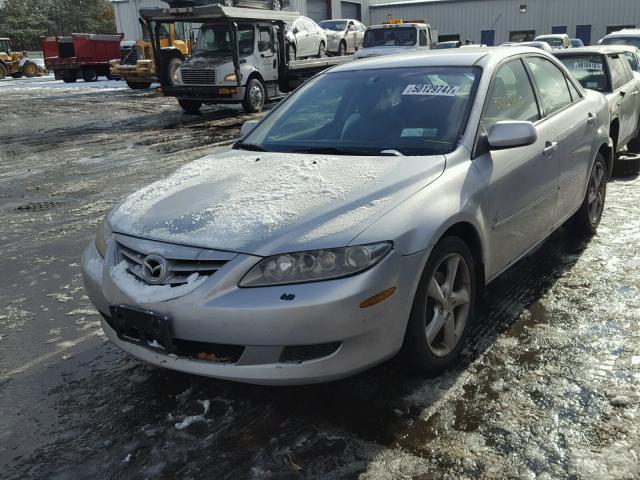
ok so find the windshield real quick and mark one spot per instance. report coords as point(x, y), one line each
point(408, 111)
point(633, 41)
point(5, 46)
point(216, 40)
point(589, 70)
point(395, 37)
point(335, 25)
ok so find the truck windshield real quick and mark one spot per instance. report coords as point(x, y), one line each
point(335, 25)
point(216, 40)
point(589, 70)
point(5, 46)
point(394, 37)
point(633, 41)
point(390, 111)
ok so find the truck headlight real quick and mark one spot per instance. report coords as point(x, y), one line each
point(232, 77)
point(314, 265)
point(102, 236)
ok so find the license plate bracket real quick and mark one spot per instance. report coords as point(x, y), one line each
point(142, 327)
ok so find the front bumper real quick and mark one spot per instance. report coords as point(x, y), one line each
point(205, 93)
point(265, 322)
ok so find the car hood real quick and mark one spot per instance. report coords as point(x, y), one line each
point(268, 203)
point(383, 50)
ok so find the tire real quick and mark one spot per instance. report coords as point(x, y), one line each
point(291, 52)
point(69, 79)
point(437, 329)
point(138, 85)
point(89, 75)
point(253, 96)
point(171, 68)
point(342, 49)
point(634, 145)
point(171, 60)
point(17, 75)
point(191, 107)
point(585, 221)
point(626, 165)
point(3, 72)
point(30, 69)
point(322, 50)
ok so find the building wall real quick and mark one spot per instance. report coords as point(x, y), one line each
point(126, 13)
point(469, 18)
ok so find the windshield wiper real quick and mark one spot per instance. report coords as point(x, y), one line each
point(336, 150)
point(239, 145)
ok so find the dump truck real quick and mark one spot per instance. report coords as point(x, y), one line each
point(82, 55)
point(239, 56)
point(137, 65)
point(16, 64)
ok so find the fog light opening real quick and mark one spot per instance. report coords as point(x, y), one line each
point(377, 298)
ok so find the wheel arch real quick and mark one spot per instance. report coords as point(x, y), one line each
point(614, 126)
point(470, 235)
point(608, 153)
point(252, 75)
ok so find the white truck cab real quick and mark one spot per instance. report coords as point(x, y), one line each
point(396, 36)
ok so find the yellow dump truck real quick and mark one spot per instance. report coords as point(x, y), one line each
point(137, 65)
point(15, 64)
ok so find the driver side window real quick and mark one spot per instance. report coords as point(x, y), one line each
point(510, 97)
point(264, 40)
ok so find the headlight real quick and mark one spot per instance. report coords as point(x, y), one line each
point(231, 78)
point(102, 235)
point(176, 76)
point(314, 265)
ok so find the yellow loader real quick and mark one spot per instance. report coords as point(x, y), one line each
point(137, 64)
point(15, 64)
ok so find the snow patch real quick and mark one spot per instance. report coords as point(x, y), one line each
point(190, 420)
point(144, 293)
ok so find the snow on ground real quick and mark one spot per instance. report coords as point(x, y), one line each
point(48, 82)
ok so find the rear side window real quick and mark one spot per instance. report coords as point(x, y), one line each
point(510, 97)
point(551, 83)
point(264, 39)
point(618, 73)
point(589, 70)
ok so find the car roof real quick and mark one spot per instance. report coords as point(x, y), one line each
point(625, 32)
point(600, 49)
point(552, 35)
point(454, 57)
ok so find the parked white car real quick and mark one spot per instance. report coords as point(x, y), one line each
point(344, 36)
point(387, 39)
point(627, 36)
point(305, 39)
point(557, 41)
point(535, 44)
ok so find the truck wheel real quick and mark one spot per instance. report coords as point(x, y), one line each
point(138, 85)
point(291, 52)
point(89, 75)
point(3, 72)
point(69, 79)
point(342, 49)
point(190, 106)
point(322, 50)
point(253, 96)
point(30, 69)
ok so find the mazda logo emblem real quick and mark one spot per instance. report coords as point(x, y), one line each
point(154, 269)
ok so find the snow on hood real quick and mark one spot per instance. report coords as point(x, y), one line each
point(265, 203)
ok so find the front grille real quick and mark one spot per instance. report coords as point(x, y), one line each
point(178, 270)
point(304, 353)
point(128, 55)
point(198, 77)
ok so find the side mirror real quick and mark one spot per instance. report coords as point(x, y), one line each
point(247, 127)
point(511, 134)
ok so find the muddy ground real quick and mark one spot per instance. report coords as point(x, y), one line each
point(548, 386)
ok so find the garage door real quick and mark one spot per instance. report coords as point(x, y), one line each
point(350, 10)
point(318, 10)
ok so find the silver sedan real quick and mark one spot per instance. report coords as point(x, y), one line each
point(363, 215)
point(344, 36)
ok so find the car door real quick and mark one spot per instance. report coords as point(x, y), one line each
point(632, 96)
point(572, 120)
point(522, 183)
point(625, 99)
point(267, 55)
point(302, 38)
point(359, 34)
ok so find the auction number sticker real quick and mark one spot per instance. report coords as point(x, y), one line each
point(587, 66)
point(439, 90)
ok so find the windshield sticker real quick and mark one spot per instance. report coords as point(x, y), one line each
point(419, 132)
point(436, 90)
point(587, 66)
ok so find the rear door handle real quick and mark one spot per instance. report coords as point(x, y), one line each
point(591, 119)
point(550, 148)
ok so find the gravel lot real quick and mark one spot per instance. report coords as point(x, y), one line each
point(548, 386)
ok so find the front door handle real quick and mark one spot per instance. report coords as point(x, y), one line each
point(550, 148)
point(591, 119)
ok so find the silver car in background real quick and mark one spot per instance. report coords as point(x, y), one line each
point(539, 44)
point(305, 39)
point(314, 250)
point(344, 36)
point(557, 41)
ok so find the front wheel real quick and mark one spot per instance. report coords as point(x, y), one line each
point(443, 308)
point(69, 79)
point(138, 85)
point(291, 52)
point(586, 220)
point(30, 69)
point(89, 75)
point(253, 96)
point(342, 49)
point(322, 50)
point(190, 106)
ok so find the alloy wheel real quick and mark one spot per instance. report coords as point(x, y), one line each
point(448, 302)
point(256, 95)
point(597, 185)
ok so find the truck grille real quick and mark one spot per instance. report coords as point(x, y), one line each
point(198, 77)
point(128, 55)
point(178, 270)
